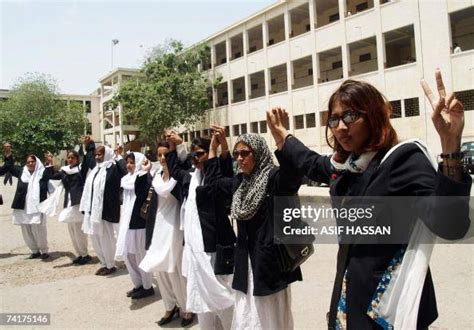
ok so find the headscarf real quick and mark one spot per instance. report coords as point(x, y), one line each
point(33, 181)
point(128, 181)
point(252, 190)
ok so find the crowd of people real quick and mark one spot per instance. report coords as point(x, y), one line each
point(206, 231)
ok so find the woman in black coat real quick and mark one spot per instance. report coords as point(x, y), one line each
point(100, 204)
point(32, 188)
point(263, 296)
point(206, 228)
point(361, 135)
point(73, 177)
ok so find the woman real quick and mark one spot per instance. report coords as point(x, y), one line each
point(359, 131)
point(72, 178)
point(263, 296)
point(165, 246)
point(131, 237)
point(205, 224)
point(100, 204)
point(32, 189)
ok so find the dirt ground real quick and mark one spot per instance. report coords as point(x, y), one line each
point(77, 299)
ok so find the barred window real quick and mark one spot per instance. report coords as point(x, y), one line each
point(310, 120)
point(396, 109)
point(412, 108)
point(466, 98)
point(298, 121)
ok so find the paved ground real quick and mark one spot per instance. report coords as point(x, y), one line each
point(76, 298)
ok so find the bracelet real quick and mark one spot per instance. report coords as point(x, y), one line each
point(453, 156)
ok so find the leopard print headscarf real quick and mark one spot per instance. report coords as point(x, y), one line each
point(251, 192)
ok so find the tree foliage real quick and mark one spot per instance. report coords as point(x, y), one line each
point(35, 119)
point(169, 91)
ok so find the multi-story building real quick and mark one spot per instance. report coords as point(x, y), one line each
point(295, 54)
point(114, 128)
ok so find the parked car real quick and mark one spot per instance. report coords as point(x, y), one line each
point(468, 149)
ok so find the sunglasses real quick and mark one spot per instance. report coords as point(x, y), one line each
point(242, 153)
point(347, 117)
point(198, 154)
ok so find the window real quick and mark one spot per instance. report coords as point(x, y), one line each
point(298, 121)
point(467, 99)
point(88, 107)
point(263, 127)
point(310, 120)
point(396, 109)
point(362, 6)
point(412, 107)
point(235, 130)
point(243, 128)
point(227, 131)
point(254, 127)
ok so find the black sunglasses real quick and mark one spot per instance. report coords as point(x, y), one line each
point(347, 117)
point(198, 154)
point(242, 153)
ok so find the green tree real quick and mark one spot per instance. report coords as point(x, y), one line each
point(169, 91)
point(35, 119)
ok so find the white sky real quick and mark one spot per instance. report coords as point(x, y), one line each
point(71, 40)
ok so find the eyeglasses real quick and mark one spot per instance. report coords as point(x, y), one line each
point(347, 117)
point(242, 153)
point(198, 154)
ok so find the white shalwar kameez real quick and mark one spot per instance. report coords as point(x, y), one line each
point(31, 220)
point(166, 249)
point(266, 312)
point(210, 296)
point(101, 232)
point(131, 242)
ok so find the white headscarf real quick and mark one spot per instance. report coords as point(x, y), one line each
point(92, 205)
point(33, 192)
point(129, 197)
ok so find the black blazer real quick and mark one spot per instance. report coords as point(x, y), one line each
point(112, 193)
point(407, 172)
point(19, 199)
point(74, 183)
point(212, 207)
point(255, 236)
point(142, 185)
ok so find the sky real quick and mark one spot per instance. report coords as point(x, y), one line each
point(71, 40)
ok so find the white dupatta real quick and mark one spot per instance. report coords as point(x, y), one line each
point(397, 306)
point(92, 201)
point(129, 197)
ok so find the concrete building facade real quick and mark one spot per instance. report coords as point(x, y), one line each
point(295, 54)
point(114, 128)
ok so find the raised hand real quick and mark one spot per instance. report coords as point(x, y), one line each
point(146, 166)
point(277, 121)
point(447, 116)
point(219, 133)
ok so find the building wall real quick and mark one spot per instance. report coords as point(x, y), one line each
point(430, 20)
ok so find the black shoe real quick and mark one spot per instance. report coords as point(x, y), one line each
point(100, 271)
point(84, 260)
point(129, 293)
point(44, 256)
point(143, 293)
point(187, 322)
point(34, 255)
point(77, 260)
point(108, 271)
point(166, 320)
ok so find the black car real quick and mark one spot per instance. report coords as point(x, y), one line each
point(468, 149)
